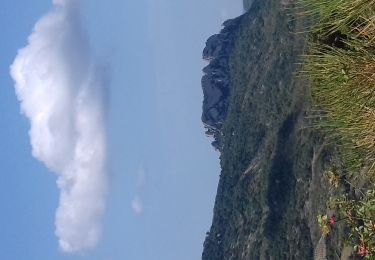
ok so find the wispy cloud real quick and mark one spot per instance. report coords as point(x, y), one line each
point(60, 89)
point(137, 205)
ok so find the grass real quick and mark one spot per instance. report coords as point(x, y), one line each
point(340, 64)
point(350, 17)
point(343, 83)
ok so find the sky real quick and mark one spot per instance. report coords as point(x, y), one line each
point(103, 154)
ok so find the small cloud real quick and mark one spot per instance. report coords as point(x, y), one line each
point(137, 205)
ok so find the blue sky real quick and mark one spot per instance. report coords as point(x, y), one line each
point(162, 172)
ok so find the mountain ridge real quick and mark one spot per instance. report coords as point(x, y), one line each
point(271, 185)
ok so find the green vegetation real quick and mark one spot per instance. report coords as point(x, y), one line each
point(266, 153)
point(355, 17)
point(340, 64)
point(277, 170)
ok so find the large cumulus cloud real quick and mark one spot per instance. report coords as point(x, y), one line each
point(60, 89)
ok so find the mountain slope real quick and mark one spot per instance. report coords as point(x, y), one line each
point(271, 185)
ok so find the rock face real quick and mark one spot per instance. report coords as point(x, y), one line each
point(215, 82)
point(271, 184)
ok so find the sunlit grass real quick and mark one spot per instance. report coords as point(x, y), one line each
point(343, 85)
point(340, 64)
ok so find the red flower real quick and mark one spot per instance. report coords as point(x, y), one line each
point(362, 251)
point(331, 220)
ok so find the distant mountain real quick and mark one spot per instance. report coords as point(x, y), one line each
point(271, 186)
point(215, 82)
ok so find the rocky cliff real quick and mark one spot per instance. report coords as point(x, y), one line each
point(271, 184)
point(215, 82)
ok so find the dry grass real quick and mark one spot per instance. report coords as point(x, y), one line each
point(343, 85)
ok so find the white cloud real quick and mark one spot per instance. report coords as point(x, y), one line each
point(60, 90)
point(137, 205)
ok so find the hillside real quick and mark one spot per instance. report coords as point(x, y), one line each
point(272, 186)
